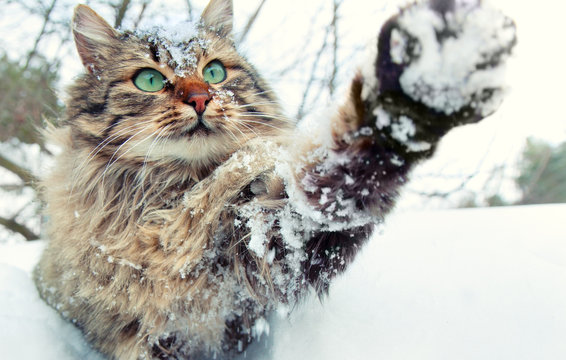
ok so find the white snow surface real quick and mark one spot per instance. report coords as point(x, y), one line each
point(458, 284)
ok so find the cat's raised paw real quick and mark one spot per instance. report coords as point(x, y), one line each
point(448, 55)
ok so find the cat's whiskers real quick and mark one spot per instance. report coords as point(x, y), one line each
point(112, 161)
point(268, 91)
point(151, 118)
point(250, 128)
point(150, 149)
point(234, 125)
point(110, 138)
point(264, 115)
point(164, 141)
point(232, 135)
point(263, 103)
point(263, 123)
point(97, 150)
point(153, 144)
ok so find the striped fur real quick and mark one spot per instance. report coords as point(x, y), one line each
point(171, 243)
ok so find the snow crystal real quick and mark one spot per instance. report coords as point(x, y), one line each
point(259, 225)
point(130, 264)
point(398, 46)
point(177, 43)
point(270, 256)
point(382, 118)
point(447, 75)
point(348, 180)
point(283, 310)
point(222, 97)
point(366, 131)
point(403, 130)
point(324, 197)
point(418, 146)
point(291, 227)
point(246, 161)
point(260, 328)
point(395, 160)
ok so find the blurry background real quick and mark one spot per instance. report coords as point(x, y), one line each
point(308, 50)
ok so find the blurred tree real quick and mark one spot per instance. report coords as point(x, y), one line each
point(496, 200)
point(26, 96)
point(542, 177)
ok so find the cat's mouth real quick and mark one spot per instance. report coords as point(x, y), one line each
point(201, 128)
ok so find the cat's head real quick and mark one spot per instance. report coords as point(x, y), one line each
point(178, 93)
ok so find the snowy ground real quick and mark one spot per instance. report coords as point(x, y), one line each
point(460, 284)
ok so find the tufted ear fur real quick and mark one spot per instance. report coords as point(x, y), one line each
point(218, 14)
point(93, 36)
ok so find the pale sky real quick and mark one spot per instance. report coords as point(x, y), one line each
point(285, 29)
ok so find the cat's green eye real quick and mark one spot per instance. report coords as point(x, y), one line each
point(214, 72)
point(149, 80)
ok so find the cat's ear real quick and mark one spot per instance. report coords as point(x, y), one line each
point(218, 14)
point(93, 36)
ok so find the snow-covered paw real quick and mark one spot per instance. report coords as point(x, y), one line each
point(448, 55)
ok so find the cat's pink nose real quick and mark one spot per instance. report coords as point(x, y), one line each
point(198, 101)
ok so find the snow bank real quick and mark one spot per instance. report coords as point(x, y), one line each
point(29, 328)
point(461, 284)
point(464, 284)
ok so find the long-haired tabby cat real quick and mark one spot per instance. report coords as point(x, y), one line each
point(184, 206)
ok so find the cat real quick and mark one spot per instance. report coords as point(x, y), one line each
point(184, 206)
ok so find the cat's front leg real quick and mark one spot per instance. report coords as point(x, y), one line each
point(439, 64)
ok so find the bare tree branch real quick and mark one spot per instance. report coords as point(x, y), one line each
point(19, 171)
point(12, 187)
point(140, 16)
point(46, 19)
point(463, 183)
point(121, 12)
point(334, 27)
point(190, 7)
point(16, 227)
point(445, 194)
point(251, 21)
point(299, 60)
point(301, 111)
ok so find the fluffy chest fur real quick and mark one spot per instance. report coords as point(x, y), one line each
point(155, 253)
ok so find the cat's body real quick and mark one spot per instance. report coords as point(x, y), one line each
point(181, 216)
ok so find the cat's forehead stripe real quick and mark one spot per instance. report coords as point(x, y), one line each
point(179, 46)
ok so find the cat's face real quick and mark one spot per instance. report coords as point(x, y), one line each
point(167, 94)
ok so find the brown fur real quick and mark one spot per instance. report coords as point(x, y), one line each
point(172, 233)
